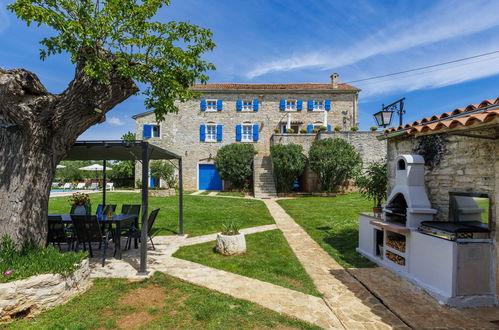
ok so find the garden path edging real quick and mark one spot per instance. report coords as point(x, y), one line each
point(30, 296)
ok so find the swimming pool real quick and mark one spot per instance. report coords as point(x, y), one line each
point(60, 190)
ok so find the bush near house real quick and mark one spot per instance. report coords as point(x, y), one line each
point(334, 161)
point(337, 128)
point(165, 171)
point(373, 183)
point(234, 163)
point(289, 163)
point(374, 128)
point(354, 128)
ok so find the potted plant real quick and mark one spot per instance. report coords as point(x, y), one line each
point(315, 130)
point(374, 128)
point(276, 130)
point(322, 129)
point(230, 241)
point(337, 128)
point(290, 130)
point(354, 128)
point(303, 131)
point(81, 203)
point(373, 184)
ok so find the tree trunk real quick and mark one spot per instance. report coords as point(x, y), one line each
point(37, 129)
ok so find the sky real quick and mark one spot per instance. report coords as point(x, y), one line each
point(294, 41)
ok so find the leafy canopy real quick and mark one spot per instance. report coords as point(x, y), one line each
point(165, 171)
point(334, 161)
point(234, 163)
point(289, 164)
point(121, 35)
point(373, 183)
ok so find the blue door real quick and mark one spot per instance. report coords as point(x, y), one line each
point(208, 178)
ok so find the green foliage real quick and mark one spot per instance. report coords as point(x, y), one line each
point(121, 36)
point(128, 136)
point(230, 227)
point(334, 161)
point(234, 163)
point(354, 128)
point(315, 130)
point(72, 171)
point(165, 171)
point(374, 128)
point(373, 183)
point(289, 163)
point(33, 260)
point(290, 130)
point(322, 129)
point(303, 131)
point(337, 128)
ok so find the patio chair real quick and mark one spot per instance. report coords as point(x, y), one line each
point(88, 230)
point(57, 232)
point(94, 186)
point(106, 210)
point(55, 184)
point(110, 186)
point(136, 233)
point(81, 185)
point(131, 209)
point(67, 185)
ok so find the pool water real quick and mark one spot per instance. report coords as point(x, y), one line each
point(60, 190)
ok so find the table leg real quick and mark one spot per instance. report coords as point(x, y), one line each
point(135, 240)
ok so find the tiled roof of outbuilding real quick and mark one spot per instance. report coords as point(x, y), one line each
point(484, 112)
point(302, 86)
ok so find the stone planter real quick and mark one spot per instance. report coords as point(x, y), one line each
point(30, 296)
point(230, 245)
point(162, 193)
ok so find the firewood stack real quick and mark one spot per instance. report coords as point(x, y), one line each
point(396, 243)
point(395, 258)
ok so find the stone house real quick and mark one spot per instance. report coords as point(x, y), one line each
point(247, 113)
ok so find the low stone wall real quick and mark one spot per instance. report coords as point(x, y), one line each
point(30, 296)
point(162, 193)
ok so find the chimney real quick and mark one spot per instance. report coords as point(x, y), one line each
point(334, 80)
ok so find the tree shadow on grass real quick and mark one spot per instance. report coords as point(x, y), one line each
point(345, 242)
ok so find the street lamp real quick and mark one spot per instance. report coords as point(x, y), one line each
point(384, 117)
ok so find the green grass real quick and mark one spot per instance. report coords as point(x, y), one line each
point(484, 204)
point(33, 260)
point(202, 215)
point(204, 193)
point(231, 193)
point(268, 258)
point(161, 302)
point(333, 223)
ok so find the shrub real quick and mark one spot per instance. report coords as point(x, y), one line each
point(276, 130)
point(322, 129)
point(234, 163)
point(373, 182)
point(374, 128)
point(303, 131)
point(338, 128)
point(354, 128)
point(315, 130)
point(230, 228)
point(32, 260)
point(290, 130)
point(289, 163)
point(165, 171)
point(334, 161)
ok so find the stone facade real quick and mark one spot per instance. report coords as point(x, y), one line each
point(30, 296)
point(180, 133)
point(467, 164)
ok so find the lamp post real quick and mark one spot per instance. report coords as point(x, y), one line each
point(384, 117)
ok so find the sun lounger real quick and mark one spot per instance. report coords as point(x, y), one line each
point(110, 186)
point(55, 184)
point(67, 185)
point(94, 186)
point(81, 185)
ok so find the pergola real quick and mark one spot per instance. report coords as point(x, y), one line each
point(123, 150)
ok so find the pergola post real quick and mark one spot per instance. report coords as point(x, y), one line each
point(145, 194)
point(180, 199)
point(104, 185)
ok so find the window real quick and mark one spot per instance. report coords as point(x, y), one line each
point(247, 105)
point(318, 125)
point(211, 105)
point(211, 133)
point(318, 105)
point(247, 133)
point(290, 104)
point(155, 131)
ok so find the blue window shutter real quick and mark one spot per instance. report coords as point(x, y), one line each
point(255, 132)
point(329, 128)
point(284, 129)
point(282, 105)
point(310, 105)
point(202, 105)
point(239, 105)
point(299, 105)
point(238, 132)
point(202, 132)
point(219, 133)
point(219, 105)
point(147, 131)
point(327, 105)
point(310, 128)
point(255, 105)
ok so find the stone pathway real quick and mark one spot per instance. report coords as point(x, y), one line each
point(213, 193)
point(351, 302)
point(197, 192)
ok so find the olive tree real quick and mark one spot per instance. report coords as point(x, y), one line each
point(234, 163)
point(289, 164)
point(114, 45)
point(335, 161)
point(165, 171)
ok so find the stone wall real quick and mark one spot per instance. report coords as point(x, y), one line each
point(467, 164)
point(30, 296)
point(179, 132)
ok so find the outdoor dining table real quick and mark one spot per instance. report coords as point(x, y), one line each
point(118, 220)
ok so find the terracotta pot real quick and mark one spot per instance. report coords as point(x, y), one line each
point(377, 210)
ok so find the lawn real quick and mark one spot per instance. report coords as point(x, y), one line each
point(231, 193)
point(202, 215)
point(268, 258)
point(333, 223)
point(161, 302)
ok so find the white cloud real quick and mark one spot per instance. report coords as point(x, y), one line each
point(448, 20)
point(115, 121)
